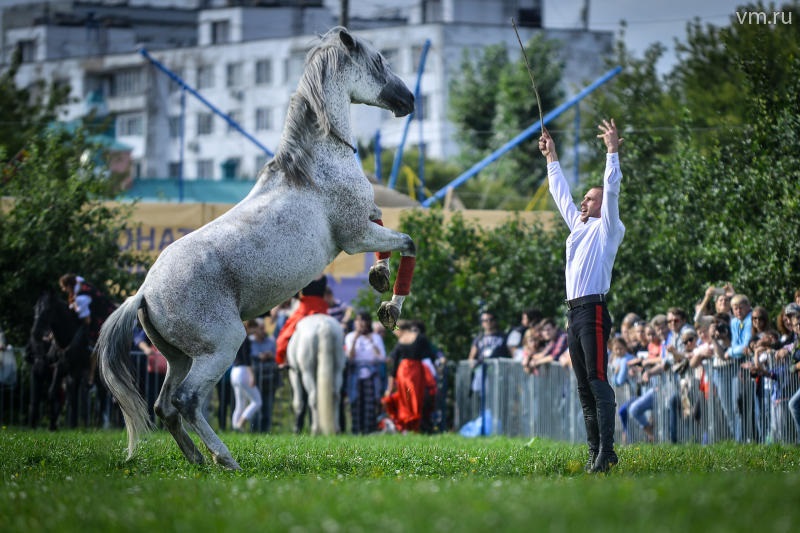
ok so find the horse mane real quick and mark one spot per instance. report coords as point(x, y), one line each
point(308, 117)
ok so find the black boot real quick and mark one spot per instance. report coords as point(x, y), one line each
point(605, 460)
point(592, 429)
point(606, 413)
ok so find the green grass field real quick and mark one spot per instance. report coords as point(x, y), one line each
point(80, 481)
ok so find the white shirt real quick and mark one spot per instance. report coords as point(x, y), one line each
point(369, 349)
point(591, 246)
point(82, 301)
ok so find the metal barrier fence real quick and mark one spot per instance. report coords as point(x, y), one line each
point(80, 405)
point(712, 403)
point(502, 399)
point(26, 400)
point(709, 404)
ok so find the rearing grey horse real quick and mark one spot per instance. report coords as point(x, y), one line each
point(310, 202)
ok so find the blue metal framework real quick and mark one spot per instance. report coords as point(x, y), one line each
point(525, 134)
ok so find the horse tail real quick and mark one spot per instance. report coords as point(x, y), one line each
point(330, 359)
point(114, 343)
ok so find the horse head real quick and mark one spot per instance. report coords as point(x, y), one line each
point(42, 315)
point(341, 69)
point(374, 83)
point(353, 66)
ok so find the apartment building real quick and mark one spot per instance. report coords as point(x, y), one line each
point(244, 57)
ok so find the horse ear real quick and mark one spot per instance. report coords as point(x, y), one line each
point(347, 40)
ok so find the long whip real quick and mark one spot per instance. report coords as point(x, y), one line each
point(530, 73)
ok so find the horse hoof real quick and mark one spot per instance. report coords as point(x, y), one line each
point(227, 462)
point(388, 315)
point(379, 278)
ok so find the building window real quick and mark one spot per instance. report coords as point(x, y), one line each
point(416, 55)
point(235, 116)
point(230, 168)
point(392, 56)
point(261, 160)
point(174, 169)
point(220, 32)
point(27, 50)
point(205, 77)
point(263, 118)
point(233, 75)
point(263, 72)
point(424, 106)
point(128, 125)
point(173, 85)
point(175, 127)
point(127, 82)
point(205, 169)
point(136, 169)
point(293, 67)
point(205, 123)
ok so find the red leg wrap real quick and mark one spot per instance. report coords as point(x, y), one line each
point(402, 285)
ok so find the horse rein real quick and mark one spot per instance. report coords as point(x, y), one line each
point(338, 137)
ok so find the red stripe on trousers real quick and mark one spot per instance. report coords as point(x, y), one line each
point(598, 333)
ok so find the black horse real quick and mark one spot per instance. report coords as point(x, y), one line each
point(58, 351)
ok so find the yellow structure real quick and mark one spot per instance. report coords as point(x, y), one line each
point(155, 225)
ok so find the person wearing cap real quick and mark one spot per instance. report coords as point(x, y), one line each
point(791, 352)
point(596, 233)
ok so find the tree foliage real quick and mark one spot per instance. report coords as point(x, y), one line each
point(491, 101)
point(473, 97)
point(709, 189)
point(464, 268)
point(25, 111)
point(54, 218)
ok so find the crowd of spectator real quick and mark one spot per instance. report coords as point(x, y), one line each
point(725, 355)
point(726, 361)
point(244, 398)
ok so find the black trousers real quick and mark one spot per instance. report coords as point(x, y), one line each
point(589, 327)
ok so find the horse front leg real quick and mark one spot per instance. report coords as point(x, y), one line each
point(379, 272)
point(378, 237)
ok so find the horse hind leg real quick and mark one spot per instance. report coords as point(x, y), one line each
point(178, 367)
point(206, 370)
point(168, 413)
point(310, 385)
point(299, 400)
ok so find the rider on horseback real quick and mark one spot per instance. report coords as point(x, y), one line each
point(88, 302)
point(312, 301)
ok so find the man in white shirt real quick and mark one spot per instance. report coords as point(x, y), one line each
point(595, 235)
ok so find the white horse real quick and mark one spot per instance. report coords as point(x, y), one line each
point(310, 202)
point(316, 366)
